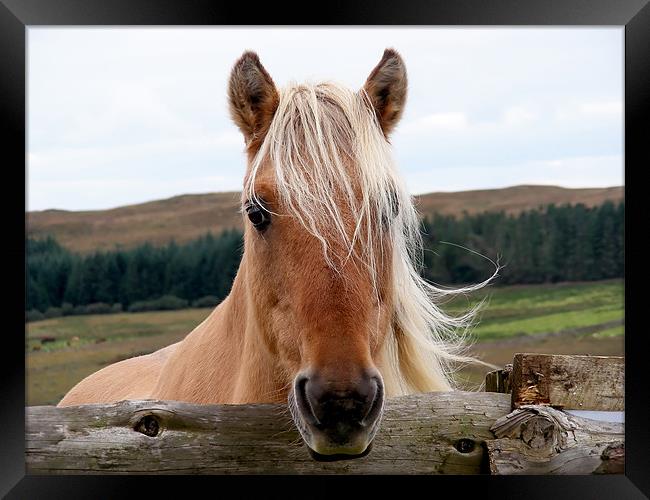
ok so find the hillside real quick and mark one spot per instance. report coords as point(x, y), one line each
point(186, 217)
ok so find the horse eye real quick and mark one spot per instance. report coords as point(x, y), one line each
point(258, 215)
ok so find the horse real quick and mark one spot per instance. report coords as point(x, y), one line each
point(328, 311)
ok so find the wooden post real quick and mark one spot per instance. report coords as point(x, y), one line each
point(569, 382)
point(499, 380)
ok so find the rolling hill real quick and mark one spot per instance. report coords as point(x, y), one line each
point(186, 217)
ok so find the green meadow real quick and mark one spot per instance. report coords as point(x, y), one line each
point(548, 309)
point(565, 318)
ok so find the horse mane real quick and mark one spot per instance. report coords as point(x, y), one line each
point(327, 148)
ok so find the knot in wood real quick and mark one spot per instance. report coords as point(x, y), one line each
point(465, 445)
point(539, 432)
point(148, 425)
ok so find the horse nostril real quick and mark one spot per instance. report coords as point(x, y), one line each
point(329, 405)
point(303, 400)
point(375, 401)
point(340, 411)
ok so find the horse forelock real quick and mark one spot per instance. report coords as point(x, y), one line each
point(332, 164)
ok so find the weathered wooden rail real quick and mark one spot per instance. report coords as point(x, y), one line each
point(434, 433)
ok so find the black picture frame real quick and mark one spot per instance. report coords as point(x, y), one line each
point(17, 15)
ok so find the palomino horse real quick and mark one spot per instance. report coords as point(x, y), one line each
point(327, 310)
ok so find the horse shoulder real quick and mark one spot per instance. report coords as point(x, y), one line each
point(133, 378)
point(201, 369)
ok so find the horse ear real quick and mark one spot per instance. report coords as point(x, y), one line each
point(386, 88)
point(253, 98)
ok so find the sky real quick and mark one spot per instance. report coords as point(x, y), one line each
point(119, 116)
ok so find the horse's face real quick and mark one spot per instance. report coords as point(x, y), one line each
point(324, 325)
point(323, 321)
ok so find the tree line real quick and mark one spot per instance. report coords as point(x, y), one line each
point(173, 276)
point(565, 243)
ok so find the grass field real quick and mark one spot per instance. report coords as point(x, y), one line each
point(564, 318)
point(568, 318)
point(530, 310)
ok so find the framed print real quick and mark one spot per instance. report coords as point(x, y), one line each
point(254, 232)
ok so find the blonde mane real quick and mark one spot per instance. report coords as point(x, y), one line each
point(317, 132)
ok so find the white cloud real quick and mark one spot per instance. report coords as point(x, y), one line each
point(74, 160)
point(518, 115)
point(607, 110)
point(572, 172)
point(603, 108)
point(459, 123)
point(452, 121)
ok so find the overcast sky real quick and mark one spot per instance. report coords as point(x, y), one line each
point(125, 115)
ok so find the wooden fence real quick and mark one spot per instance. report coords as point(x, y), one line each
point(518, 428)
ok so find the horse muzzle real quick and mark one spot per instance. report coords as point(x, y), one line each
point(337, 420)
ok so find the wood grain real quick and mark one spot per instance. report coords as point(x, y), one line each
point(499, 380)
point(543, 440)
point(434, 433)
point(569, 382)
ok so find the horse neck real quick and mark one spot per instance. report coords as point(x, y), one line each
point(259, 377)
point(226, 355)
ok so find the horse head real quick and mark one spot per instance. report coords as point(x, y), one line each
point(329, 231)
